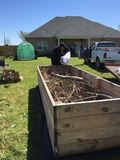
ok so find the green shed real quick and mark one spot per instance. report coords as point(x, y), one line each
point(25, 51)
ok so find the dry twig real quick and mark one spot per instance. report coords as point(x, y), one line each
point(70, 93)
point(66, 88)
point(67, 77)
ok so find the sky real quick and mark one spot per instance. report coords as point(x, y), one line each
point(28, 15)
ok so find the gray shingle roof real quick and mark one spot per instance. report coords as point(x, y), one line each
point(72, 26)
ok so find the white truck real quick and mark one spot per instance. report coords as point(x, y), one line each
point(101, 52)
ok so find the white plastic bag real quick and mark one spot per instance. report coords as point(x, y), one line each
point(66, 58)
point(118, 71)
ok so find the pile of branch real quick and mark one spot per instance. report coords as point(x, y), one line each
point(67, 89)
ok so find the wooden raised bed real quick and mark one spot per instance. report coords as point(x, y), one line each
point(84, 126)
point(113, 67)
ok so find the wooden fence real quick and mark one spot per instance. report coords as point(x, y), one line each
point(8, 50)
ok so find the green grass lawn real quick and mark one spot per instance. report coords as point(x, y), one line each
point(20, 134)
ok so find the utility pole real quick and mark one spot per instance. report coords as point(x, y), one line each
point(119, 27)
point(4, 40)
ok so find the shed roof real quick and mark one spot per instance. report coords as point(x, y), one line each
point(73, 26)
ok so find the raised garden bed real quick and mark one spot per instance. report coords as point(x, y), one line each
point(82, 110)
point(114, 67)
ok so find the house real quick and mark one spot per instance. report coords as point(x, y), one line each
point(73, 30)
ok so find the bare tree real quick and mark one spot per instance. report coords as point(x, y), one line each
point(22, 35)
point(7, 40)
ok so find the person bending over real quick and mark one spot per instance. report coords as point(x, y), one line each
point(61, 55)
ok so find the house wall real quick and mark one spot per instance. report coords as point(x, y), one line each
point(75, 45)
point(85, 41)
point(51, 43)
point(73, 41)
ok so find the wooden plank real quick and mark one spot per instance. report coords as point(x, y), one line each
point(74, 148)
point(49, 118)
point(75, 71)
point(80, 136)
point(50, 123)
point(88, 76)
point(92, 80)
point(45, 95)
point(87, 122)
point(48, 108)
point(97, 84)
point(110, 88)
point(92, 145)
point(83, 124)
point(61, 69)
point(44, 85)
point(87, 108)
point(113, 69)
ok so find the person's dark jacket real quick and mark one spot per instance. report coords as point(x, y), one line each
point(56, 55)
point(2, 62)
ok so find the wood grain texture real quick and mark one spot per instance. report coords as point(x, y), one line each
point(80, 136)
point(82, 126)
point(113, 69)
point(92, 145)
point(48, 108)
point(110, 88)
point(87, 108)
point(87, 122)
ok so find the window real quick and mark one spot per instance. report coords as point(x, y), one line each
point(92, 46)
point(109, 44)
point(42, 45)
